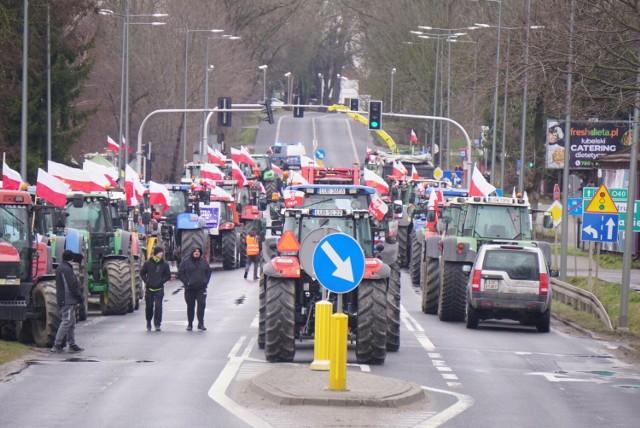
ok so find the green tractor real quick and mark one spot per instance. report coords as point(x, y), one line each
point(268, 176)
point(109, 267)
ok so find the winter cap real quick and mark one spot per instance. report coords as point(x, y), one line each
point(197, 249)
point(157, 250)
point(67, 255)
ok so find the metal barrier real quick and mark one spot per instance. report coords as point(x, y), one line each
point(580, 300)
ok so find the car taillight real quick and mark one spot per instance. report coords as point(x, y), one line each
point(460, 247)
point(475, 281)
point(543, 289)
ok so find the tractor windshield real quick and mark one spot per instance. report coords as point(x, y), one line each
point(179, 203)
point(359, 229)
point(14, 223)
point(497, 222)
point(89, 217)
point(263, 163)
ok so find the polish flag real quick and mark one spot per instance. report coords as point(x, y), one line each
point(247, 156)
point(218, 193)
point(398, 169)
point(479, 185)
point(11, 179)
point(237, 174)
point(414, 137)
point(51, 189)
point(414, 173)
point(215, 156)
point(133, 188)
point(377, 207)
point(242, 156)
point(293, 198)
point(112, 145)
point(110, 173)
point(159, 195)
point(296, 178)
point(277, 170)
point(124, 146)
point(77, 179)
point(210, 171)
point(374, 180)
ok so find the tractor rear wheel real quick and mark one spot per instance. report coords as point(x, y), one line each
point(403, 246)
point(393, 310)
point(229, 249)
point(416, 255)
point(371, 336)
point(431, 290)
point(192, 239)
point(270, 187)
point(280, 320)
point(117, 299)
point(453, 297)
point(45, 326)
point(262, 309)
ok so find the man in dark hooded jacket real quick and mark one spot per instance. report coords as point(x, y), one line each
point(155, 272)
point(68, 294)
point(194, 272)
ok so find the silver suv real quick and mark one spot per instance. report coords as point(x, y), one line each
point(512, 282)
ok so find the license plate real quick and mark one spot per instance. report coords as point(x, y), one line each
point(328, 191)
point(328, 213)
point(490, 284)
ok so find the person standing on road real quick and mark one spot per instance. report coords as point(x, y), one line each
point(155, 272)
point(253, 253)
point(68, 294)
point(194, 272)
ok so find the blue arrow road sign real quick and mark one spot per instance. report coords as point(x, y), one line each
point(320, 154)
point(338, 262)
point(575, 206)
point(600, 227)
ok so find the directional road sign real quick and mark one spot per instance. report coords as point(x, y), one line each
point(575, 206)
point(600, 227)
point(601, 203)
point(320, 154)
point(338, 262)
point(619, 196)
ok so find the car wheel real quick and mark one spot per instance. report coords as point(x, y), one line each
point(544, 322)
point(472, 319)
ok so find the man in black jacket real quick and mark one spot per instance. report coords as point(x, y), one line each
point(68, 293)
point(155, 272)
point(194, 272)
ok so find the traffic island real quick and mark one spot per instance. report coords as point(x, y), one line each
point(292, 384)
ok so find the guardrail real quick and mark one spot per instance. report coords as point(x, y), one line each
point(580, 300)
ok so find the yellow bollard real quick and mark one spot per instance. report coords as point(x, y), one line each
point(338, 353)
point(321, 343)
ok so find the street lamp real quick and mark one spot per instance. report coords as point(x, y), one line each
point(288, 76)
point(186, 68)
point(524, 98)
point(264, 80)
point(321, 88)
point(124, 81)
point(393, 71)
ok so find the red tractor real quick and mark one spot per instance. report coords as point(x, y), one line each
point(28, 306)
point(323, 175)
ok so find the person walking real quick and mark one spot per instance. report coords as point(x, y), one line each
point(155, 272)
point(253, 253)
point(194, 272)
point(69, 294)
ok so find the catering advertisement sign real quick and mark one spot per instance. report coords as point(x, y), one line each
point(587, 141)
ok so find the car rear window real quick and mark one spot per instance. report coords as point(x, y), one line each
point(517, 264)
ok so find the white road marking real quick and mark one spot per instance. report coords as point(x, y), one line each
point(555, 378)
point(353, 143)
point(464, 402)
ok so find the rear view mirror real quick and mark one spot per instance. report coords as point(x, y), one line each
point(146, 218)
point(547, 221)
point(554, 273)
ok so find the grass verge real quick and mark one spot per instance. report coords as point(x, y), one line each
point(9, 351)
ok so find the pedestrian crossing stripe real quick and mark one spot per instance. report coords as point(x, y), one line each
point(602, 203)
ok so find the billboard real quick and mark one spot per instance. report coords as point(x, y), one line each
point(587, 142)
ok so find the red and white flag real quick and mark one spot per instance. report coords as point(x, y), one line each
point(110, 173)
point(125, 146)
point(277, 170)
point(112, 145)
point(247, 157)
point(215, 156)
point(159, 195)
point(414, 137)
point(374, 180)
point(479, 185)
point(293, 198)
point(377, 208)
point(295, 178)
point(242, 156)
point(133, 188)
point(210, 171)
point(218, 193)
point(414, 173)
point(77, 179)
point(398, 169)
point(51, 189)
point(11, 179)
point(237, 174)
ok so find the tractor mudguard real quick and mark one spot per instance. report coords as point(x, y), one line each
point(390, 253)
point(282, 267)
point(268, 175)
point(376, 269)
point(433, 245)
point(188, 221)
point(466, 253)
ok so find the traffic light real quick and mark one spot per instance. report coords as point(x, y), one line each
point(298, 111)
point(354, 104)
point(531, 164)
point(375, 115)
point(267, 104)
point(224, 117)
